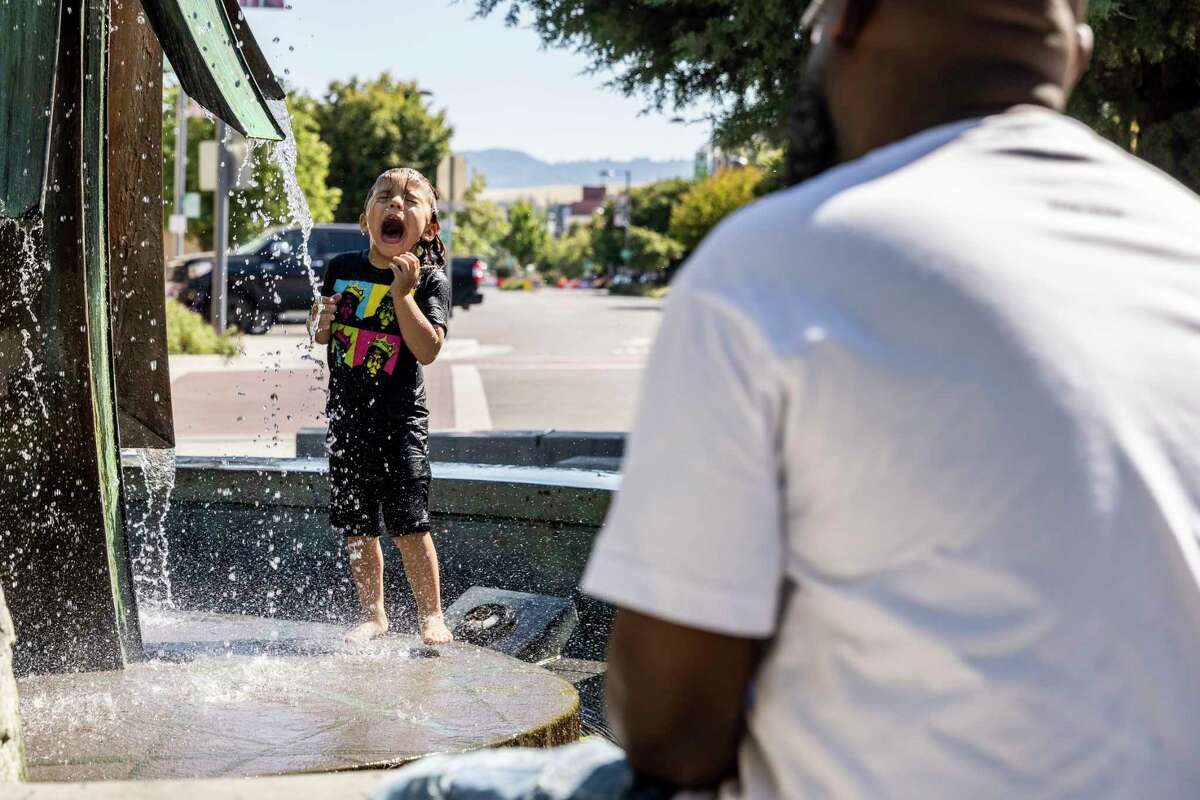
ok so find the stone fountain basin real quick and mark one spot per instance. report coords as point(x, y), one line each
point(228, 700)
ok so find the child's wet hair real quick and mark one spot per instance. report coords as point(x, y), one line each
point(432, 253)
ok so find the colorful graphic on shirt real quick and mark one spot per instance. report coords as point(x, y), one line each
point(370, 350)
point(359, 299)
point(376, 351)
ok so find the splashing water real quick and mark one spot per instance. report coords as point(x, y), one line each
point(151, 570)
point(31, 270)
point(285, 154)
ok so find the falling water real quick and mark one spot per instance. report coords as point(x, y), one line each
point(151, 559)
point(30, 271)
point(285, 155)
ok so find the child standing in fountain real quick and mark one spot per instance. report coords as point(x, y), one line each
point(383, 314)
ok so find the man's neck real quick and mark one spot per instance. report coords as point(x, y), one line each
point(859, 140)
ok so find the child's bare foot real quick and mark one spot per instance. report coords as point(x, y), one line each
point(434, 630)
point(369, 629)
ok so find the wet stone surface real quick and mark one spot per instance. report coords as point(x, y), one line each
point(229, 696)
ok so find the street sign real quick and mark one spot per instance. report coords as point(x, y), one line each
point(452, 179)
point(626, 254)
point(177, 224)
point(240, 172)
point(191, 205)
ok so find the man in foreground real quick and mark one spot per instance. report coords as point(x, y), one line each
point(912, 506)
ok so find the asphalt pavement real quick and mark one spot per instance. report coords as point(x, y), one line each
point(562, 359)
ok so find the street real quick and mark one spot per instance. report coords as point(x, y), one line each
point(568, 360)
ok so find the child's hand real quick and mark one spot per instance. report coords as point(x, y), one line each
point(325, 310)
point(406, 270)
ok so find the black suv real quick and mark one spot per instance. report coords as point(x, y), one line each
point(268, 281)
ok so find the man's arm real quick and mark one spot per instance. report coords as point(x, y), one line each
point(677, 698)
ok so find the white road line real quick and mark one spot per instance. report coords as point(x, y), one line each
point(471, 412)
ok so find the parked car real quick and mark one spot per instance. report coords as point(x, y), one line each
point(467, 274)
point(267, 279)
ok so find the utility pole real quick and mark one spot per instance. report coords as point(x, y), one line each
point(181, 144)
point(220, 271)
point(624, 218)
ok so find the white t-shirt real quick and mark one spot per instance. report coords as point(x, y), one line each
point(932, 422)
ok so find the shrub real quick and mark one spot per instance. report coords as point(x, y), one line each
point(189, 333)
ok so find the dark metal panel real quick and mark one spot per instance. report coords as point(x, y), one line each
point(255, 59)
point(28, 49)
point(135, 254)
point(55, 486)
point(199, 41)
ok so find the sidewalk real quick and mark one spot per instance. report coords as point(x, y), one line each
point(253, 403)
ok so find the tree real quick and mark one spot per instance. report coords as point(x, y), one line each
point(652, 203)
point(1143, 89)
point(527, 235)
point(740, 54)
point(372, 126)
point(480, 225)
point(649, 249)
point(571, 254)
point(265, 203)
point(708, 202)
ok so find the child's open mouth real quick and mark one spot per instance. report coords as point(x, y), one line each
point(392, 229)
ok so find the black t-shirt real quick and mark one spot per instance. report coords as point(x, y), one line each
point(372, 373)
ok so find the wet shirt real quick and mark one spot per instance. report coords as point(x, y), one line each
point(372, 373)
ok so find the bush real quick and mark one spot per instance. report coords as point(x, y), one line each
point(189, 333)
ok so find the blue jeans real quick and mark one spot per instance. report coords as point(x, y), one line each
point(590, 770)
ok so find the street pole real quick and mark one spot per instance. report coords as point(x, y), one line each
point(220, 270)
point(625, 252)
point(181, 143)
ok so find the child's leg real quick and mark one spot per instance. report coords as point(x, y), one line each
point(421, 568)
point(366, 568)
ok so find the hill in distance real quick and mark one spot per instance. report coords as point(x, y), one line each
point(509, 169)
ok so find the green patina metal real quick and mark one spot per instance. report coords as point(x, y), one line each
point(94, 173)
point(199, 41)
point(26, 91)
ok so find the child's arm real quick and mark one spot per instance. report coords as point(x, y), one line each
point(423, 338)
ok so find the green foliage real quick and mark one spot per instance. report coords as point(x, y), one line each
point(190, 333)
point(265, 204)
point(742, 54)
point(480, 225)
point(527, 235)
point(571, 254)
point(707, 203)
point(652, 203)
point(1143, 89)
point(372, 126)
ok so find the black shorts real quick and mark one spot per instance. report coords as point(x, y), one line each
point(379, 478)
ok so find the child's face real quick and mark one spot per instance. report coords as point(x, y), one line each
point(398, 214)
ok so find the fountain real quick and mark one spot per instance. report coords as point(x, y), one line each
point(231, 672)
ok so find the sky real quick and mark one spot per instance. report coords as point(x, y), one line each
point(500, 88)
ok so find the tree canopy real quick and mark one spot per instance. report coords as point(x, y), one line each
point(480, 225)
point(526, 238)
point(372, 125)
point(743, 55)
point(710, 201)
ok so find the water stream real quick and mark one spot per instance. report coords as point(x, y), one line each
point(151, 565)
